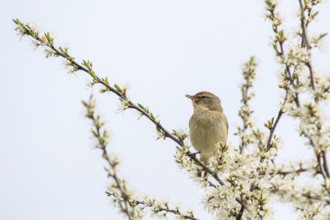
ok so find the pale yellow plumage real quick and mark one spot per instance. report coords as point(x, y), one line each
point(208, 125)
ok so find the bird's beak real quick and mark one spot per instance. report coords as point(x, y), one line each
point(190, 97)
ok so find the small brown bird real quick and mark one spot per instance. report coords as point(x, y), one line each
point(208, 125)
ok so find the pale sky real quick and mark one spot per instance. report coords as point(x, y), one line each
point(162, 50)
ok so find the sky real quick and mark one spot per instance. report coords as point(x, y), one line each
point(162, 50)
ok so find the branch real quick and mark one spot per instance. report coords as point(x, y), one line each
point(126, 201)
point(326, 168)
point(166, 209)
point(159, 208)
point(305, 41)
point(239, 216)
point(47, 41)
point(273, 127)
point(294, 171)
point(280, 52)
point(321, 157)
point(245, 112)
point(278, 45)
point(102, 141)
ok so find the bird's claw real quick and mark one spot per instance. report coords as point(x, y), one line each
point(193, 155)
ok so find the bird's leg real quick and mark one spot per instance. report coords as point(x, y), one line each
point(193, 155)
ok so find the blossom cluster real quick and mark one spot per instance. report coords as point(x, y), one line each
point(242, 182)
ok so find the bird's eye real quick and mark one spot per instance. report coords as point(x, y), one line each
point(203, 97)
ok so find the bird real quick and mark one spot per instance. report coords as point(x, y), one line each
point(208, 124)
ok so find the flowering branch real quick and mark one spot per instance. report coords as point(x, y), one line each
point(288, 76)
point(305, 41)
point(272, 126)
point(160, 208)
point(47, 41)
point(128, 204)
point(245, 112)
point(312, 124)
point(278, 46)
point(307, 7)
point(245, 179)
point(102, 136)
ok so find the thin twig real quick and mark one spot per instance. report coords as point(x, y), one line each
point(289, 74)
point(160, 209)
point(326, 168)
point(305, 41)
point(286, 173)
point(173, 211)
point(287, 66)
point(103, 146)
point(311, 73)
point(241, 212)
point(245, 103)
point(245, 112)
point(321, 158)
point(272, 130)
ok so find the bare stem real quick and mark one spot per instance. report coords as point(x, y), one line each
point(241, 213)
point(326, 168)
point(272, 130)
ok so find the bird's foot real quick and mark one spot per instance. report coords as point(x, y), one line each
point(193, 155)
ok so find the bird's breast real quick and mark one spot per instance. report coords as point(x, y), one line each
point(207, 129)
